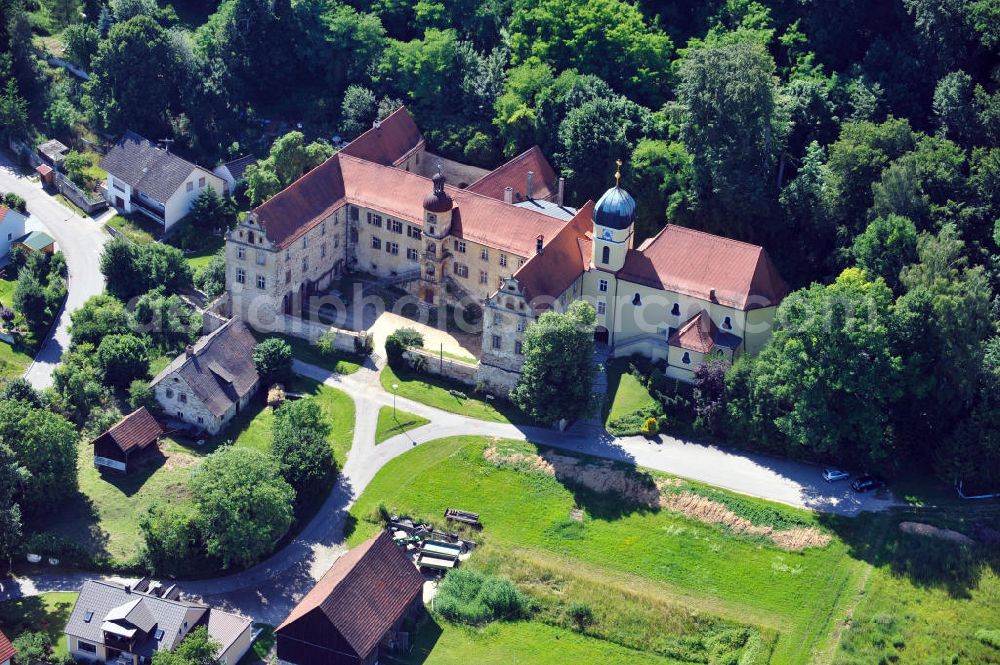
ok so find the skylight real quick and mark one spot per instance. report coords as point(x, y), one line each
point(88, 616)
point(158, 635)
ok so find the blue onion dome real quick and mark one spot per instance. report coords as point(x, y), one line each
point(615, 209)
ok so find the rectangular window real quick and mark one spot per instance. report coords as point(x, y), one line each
point(201, 181)
point(377, 221)
point(517, 348)
point(601, 307)
point(182, 397)
point(392, 248)
point(336, 241)
point(496, 318)
point(503, 260)
point(322, 229)
point(86, 647)
point(484, 277)
point(520, 325)
point(411, 254)
point(395, 226)
point(355, 214)
point(288, 277)
point(305, 241)
point(484, 254)
point(241, 253)
point(200, 419)
point(241, 276)
point(190, 186)
point(261, 258)
point(376, 242)
point(602, 286)
point(305, 264)
point(322, 251)
point(460, 246)
point(261, 282)
point(414, 232)
point(496, 341)
point(369, 217)
point(461, 270)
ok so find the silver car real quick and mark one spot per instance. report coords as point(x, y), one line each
point(831, 475)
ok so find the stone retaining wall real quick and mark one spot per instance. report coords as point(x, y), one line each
point(449, 368)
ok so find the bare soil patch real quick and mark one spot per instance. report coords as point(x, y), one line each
point(605, 477)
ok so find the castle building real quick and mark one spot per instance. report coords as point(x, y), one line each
point(503, 240)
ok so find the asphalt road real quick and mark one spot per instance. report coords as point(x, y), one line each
point(268, 591)
point(80, 239)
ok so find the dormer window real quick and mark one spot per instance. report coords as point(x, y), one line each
point(686, 359)
point(676, 309)
point(432, 218)
point(727, 323)
point(636, 300)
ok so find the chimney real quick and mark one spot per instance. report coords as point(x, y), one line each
point(538, 243)
point(189, 351)
point(377, 123)
point(711, 295)
point(562, 191)
point(508, 195)
point(531, 183)
point(128, 589)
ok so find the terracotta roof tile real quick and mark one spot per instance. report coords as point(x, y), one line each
point(398, 193)
point(514, 174)
point(366, 591)
point(135, 431)
point(697, 334)
point(393, 139)
point(694, 263)
point(546, 276)
point(7, 650)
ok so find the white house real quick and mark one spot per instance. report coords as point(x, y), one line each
point(232, 173)
point(155, 182)
point(11, 228)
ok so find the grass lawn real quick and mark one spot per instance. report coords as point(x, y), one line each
point(392, 422)
point(526, 643)
point(47, 612)
point(337, 406)
point(105, 517)
point(625, 394)
point(136, 228)
point(340, 362)
point(69, 204)
point(200, 258)
point(13, 363)
point(433, 391)
point(707, 569)
point(7, 292)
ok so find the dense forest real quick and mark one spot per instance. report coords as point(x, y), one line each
point(859, 142)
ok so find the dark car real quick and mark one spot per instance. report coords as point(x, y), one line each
point(867, 483)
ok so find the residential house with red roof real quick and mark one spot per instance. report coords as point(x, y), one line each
point(504, 241)
point(357, 612)
point(7, 650)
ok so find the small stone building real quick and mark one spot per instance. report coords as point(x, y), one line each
point(212, 380)
point(355, 613)
point(130, 441)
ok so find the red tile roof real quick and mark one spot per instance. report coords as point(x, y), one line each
point(697, 334)
point(388, 143)
point(7, 649)
point(514, 174)
point(135, 431)
point(43, 169)
point(697, 264)
point(564, 258)
point(347, 179)
point(364, 593)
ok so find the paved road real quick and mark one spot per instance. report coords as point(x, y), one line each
point(269, 590)
point(81, 240)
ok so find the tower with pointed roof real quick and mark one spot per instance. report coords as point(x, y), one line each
point(614, 221)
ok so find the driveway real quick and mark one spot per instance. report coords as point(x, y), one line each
point(268, 591)
point(81, 239)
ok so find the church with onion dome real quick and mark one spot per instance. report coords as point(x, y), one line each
point(503, 242)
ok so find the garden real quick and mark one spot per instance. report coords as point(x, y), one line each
point(643, 580)
point(32, 291)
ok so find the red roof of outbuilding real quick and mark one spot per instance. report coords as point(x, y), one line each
point(364, 593)
point(43, 169)
point(136, 430)
point(697, 264)
point(7, 649)
point(514, 174)
point(389, 142)
point(697, 334)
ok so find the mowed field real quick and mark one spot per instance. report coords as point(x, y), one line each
point(532, 520)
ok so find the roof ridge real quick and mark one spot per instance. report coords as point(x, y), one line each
point(726, 239)
point(143, 595)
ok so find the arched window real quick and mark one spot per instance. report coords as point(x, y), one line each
point(636, 300)
point(686, 359)
point(431, 248)
point(676, 309)
point(250, 237)
point(606, 255)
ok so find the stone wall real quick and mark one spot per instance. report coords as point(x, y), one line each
point(495, 380)
point(449, 368)
point(455, 173)
point(312, 330)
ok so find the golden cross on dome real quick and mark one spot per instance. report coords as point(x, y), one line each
point(618, 173)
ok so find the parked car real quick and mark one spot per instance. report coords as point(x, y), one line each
point(832, 475)
point(867, 483)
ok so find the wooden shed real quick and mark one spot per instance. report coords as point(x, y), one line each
point(130, 441)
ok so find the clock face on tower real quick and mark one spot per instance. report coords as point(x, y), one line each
point(606, 235)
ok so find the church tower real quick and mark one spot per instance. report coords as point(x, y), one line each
point(614, 219)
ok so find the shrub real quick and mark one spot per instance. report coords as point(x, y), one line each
point(581, 615)
point(651, 427)
point(123, 358)
point(634, 423)
point(364, 344)
point(273, 360)
point(468, 596)
point(140, 394)
point(458, 394)
point(400, 341)
point(33, 648)
point(989, 637)
point(15, 202)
